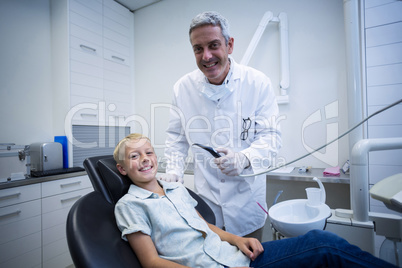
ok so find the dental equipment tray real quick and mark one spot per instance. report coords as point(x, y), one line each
point(389, 191)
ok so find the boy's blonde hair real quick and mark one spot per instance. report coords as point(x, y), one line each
point(120, 150)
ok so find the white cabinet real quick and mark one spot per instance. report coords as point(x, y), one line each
point(20, 226)
point(33, 222)
point(57, 198)
point(94, 73)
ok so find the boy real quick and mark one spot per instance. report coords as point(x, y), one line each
point(163, 228)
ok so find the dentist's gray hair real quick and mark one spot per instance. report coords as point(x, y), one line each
point(211, 18)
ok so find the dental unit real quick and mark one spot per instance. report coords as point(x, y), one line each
point(357, 225)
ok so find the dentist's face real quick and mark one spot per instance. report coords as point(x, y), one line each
point(211, 52)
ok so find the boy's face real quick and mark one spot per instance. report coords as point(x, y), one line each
point(140, 162)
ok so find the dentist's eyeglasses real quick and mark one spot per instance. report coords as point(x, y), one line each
point(246, 126)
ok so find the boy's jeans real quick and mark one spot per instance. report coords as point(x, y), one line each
point(315, 249)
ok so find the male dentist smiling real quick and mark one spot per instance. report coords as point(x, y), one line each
point(233, 109)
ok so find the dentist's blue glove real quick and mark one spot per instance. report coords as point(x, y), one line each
point(168, 177)
point(232, 163)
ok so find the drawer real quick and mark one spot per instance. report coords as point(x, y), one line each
point(96, 94)
point(116, 12)
point(16, 195)
point(117, 37)
point(62, 261)
point(86, 69)
point(52, 234)
point(19, 247)
point(116, 67)
point(88, 38)
point(121, 109)
point(85, 80)
point(77, 18)
point(53, 217)
point(91, 9)
point(116, 55)
point(116, 76)
point(66, 200)
point(90, 48)
point(123, 29)
point(82, 55)
point(54, 249)
point(20, 212)
point(12, 231)
point(115, 90)
point(31, 259)
point(65, 185)
point(87, 111)
point(116, 49)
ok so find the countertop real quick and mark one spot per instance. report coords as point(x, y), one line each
point(32, 180)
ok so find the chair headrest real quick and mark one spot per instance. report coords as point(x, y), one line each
point(116, 183)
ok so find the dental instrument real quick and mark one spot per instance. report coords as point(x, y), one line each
point(325, 145)
point(208, 149)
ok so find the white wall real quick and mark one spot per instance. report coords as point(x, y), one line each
point(317, 64)
point(25, 72)
point(163, 54)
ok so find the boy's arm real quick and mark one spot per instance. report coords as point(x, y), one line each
point(146, 252)
point(249, 246)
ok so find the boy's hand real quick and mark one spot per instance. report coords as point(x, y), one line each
point(251, 247)
point(169, 177)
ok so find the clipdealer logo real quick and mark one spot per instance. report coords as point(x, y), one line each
point(330, 156)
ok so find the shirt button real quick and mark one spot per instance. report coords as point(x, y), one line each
point(222, 180)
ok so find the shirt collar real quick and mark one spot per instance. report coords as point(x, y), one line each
point(142, 193)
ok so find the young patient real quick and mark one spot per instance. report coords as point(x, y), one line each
point(160, 222)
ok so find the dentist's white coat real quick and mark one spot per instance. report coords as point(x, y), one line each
point(196, 119)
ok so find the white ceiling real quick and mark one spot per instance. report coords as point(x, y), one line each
point(133, 5)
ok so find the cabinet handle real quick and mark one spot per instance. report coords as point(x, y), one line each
point(10, 214)
point(70, 198)
point(10, 196)
point(86, 114)
point(70, 184)
point(118, 58)
point(87, 47)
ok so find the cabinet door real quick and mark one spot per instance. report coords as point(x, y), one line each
point(23, 252)
point(21, 194)
point(58, 197)
point(20, 226)
point(116, 32)
point(65, 185)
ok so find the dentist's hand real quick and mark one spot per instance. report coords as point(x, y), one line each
point(232, 163)
point(169, 177)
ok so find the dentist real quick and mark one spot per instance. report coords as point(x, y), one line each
point(233, 109)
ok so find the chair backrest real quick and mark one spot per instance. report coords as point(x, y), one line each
point(92, 234)
point(93, 237)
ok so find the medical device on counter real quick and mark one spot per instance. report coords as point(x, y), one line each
point(15, 162)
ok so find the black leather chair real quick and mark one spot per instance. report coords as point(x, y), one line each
point(92, 234)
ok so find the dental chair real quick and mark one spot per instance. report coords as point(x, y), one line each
point(92, 234)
